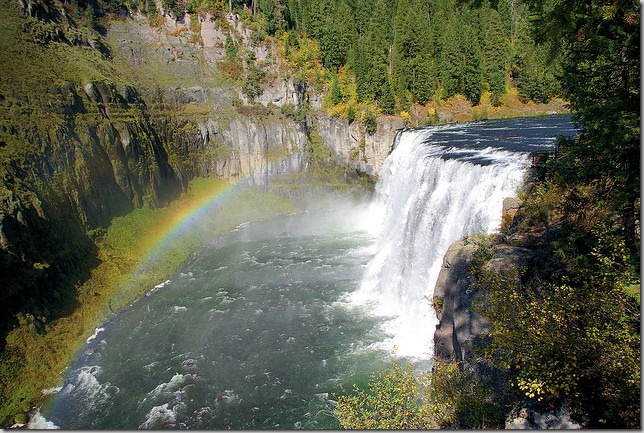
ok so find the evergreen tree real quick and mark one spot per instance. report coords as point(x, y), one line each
point(495, 55)
point(362, 13)
point(230, 47)
point(331, 47)
point(386, 100)
point(361, 67)
point(471, 75)
point(423, 83)
point(412, 64)
point(533, 76)
point(304, 16)
point(381, 19)
point(507, 16)
point(348, 31)
point(600, 76)
point(450, 58)
point(377, 61)
point(150, 8)
point(403, 46)
point(293, 12)
point(336, 95)
point(276, 16)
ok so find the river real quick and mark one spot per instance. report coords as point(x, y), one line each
point(264, 325)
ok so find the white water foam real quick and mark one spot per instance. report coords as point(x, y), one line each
point(177, 381)
point(85, 384)
point(94, 335)
point(39, 422)
point(166, 402)
point(162, 285)
point(157, 287)
point(50, 391)
point(428, 202)
point(159, 417)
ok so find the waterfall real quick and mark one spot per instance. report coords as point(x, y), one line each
point(431, 193)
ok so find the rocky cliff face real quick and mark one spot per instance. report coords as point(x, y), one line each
point(125, 122)
point(357, 149)
point(74, 157)
point(240, 149)
point(232, 143)
point(460, 327)
point(250, 145)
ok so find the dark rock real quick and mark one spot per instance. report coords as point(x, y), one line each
point(457, 325)
point(129, 94)
point(460, 328)
point(183, 96)
point(92, 92)
point(511, 203)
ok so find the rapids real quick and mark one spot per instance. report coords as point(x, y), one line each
point(263, 327)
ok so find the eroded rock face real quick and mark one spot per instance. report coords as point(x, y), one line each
point(460, 328)
point(458, 325)
point(184, 71)
point(244, 150)
point(353, 147)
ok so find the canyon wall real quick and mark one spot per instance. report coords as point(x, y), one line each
point(94, 125)
point(95, 151)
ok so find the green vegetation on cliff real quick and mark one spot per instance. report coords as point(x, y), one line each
point(574, 336)
point(565, 330)
point(39, 349)
point(77, 148)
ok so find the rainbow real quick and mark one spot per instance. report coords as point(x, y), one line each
point(182, 221)
point(168, 232)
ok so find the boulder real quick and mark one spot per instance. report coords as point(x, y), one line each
point(458, 325)
point(93, 92)
point(460, 328)
point(526, 418)
point(511, 206)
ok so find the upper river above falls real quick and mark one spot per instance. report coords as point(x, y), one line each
point(262, 327)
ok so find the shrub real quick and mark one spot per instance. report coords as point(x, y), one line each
point(231, 68)
point(297, 114)
point(406, 117)
point(370, 122)
point(391, 402)
point(231, 48)
point(451, 396)
point(351, 114)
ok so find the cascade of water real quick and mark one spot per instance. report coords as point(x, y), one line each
point(429, 196)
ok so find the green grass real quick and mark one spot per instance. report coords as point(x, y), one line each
point(37, 353)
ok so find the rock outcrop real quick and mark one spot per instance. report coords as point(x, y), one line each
point(239, 149)
point(526, 418)
point(353, 147)
point(75, 156)
point(460, 327)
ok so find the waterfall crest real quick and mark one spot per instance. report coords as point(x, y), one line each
point(431, 193)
